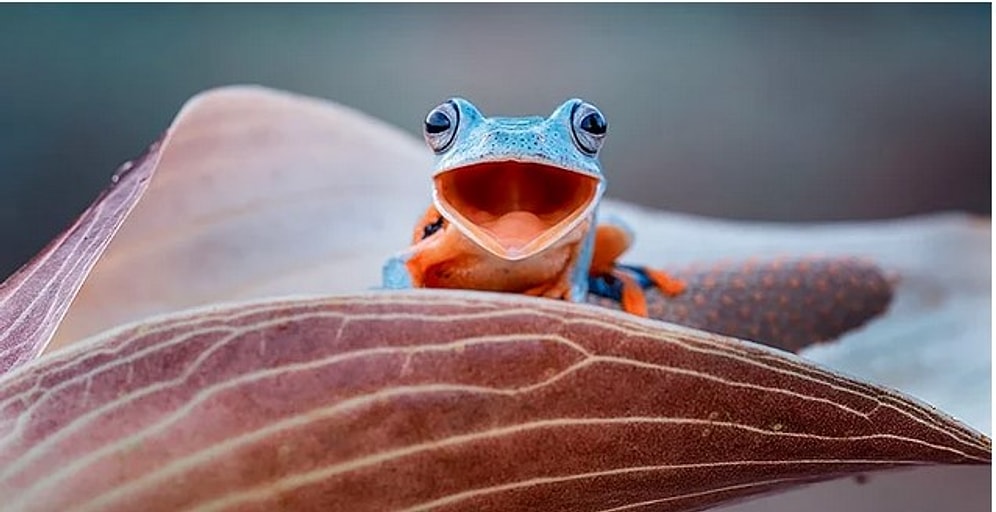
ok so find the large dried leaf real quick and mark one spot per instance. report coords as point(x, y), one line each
point(441, 401)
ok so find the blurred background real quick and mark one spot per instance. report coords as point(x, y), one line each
point(767, 112)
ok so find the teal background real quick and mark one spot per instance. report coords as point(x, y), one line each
point(773, 112)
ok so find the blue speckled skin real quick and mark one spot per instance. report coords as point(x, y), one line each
point(549, 141)
point(525, 139)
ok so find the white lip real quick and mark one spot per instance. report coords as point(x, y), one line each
point(515, 209)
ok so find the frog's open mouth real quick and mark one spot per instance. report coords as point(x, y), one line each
point(515, 209)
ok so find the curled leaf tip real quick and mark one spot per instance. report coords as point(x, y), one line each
point(128, 166)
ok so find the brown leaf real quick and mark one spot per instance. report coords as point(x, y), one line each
point(785, 303)
point(441, 401)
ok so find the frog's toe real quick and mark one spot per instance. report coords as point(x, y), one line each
point(633, 299)
point(395, 275)
point(559, 291)
point(648, 277)
point(668, 285)
point(622, 287)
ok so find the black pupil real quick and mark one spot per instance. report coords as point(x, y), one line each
point(437, 122)
point(430, 229)
point(593, 123)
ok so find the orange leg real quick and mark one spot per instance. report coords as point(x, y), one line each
point(666, 284)
point(611, 242)
point(634, 301)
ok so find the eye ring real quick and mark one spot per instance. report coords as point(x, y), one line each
point(440, 126)
point(588, 126)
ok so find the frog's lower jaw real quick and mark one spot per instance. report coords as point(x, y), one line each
point(515, 210)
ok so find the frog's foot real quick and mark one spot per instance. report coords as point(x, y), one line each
point(668, 285)
point(626, 284)
point(560, 290)
point(403, 271)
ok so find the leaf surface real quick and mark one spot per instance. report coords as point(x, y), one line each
point(258, 193)
point(440, 401)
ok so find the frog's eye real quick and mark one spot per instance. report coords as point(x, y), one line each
point(441, 126)
point(588, 126)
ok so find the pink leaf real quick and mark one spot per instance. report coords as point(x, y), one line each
point(442, 401)
point(258, 193)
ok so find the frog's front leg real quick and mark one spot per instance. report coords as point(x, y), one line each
point(395, 274)
point(613, 237)
point(411, 268)
point(625, 283)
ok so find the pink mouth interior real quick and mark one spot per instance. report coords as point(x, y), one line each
point(515, 204)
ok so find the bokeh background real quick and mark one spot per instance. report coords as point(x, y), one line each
point(769, 112)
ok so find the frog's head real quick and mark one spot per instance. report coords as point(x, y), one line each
point(516, 185)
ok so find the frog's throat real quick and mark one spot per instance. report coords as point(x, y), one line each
point(513, 209)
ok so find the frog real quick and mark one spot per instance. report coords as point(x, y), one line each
point(515, 209)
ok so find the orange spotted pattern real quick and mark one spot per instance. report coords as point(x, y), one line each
point(788, 303)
